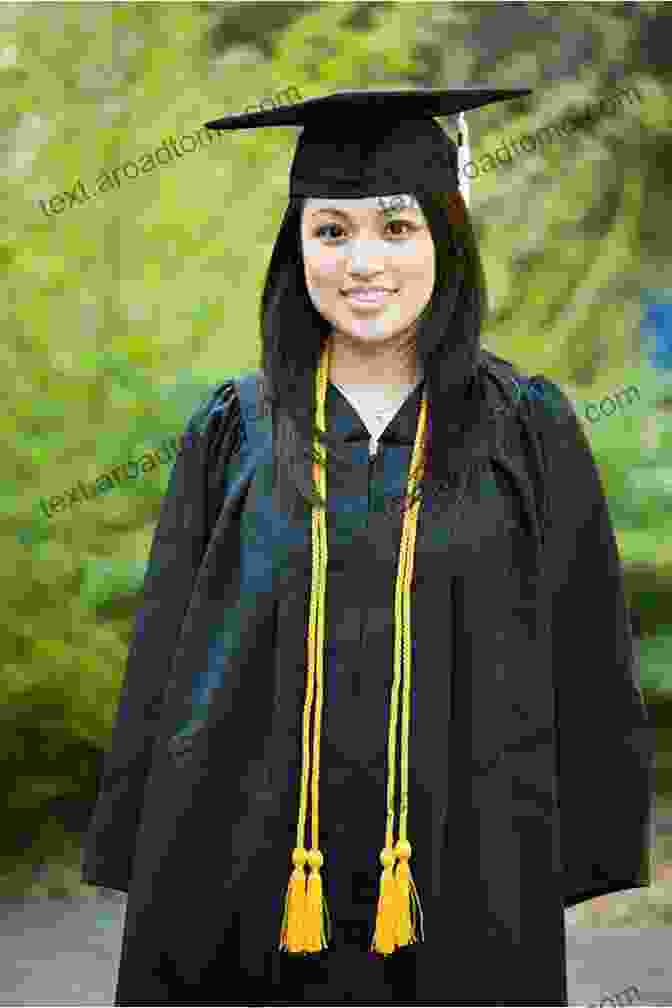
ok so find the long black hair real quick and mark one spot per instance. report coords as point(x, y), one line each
point(293, 334)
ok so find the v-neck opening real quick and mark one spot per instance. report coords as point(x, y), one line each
point(391, 419)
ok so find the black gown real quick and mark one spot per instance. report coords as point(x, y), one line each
point(530, 751)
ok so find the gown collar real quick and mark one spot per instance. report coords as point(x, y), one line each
point(343, 418)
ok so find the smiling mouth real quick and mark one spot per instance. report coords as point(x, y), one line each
point(366, 297)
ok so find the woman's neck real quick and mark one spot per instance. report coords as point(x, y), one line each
point(349, 365)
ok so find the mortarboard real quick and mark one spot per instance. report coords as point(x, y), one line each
point(376, 143)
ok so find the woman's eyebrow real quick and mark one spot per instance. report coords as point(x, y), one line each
point(330, 210)
point(394, 208)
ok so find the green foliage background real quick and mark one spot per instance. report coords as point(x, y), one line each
point(121, 313)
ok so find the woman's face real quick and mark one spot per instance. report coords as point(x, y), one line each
point(379, 243)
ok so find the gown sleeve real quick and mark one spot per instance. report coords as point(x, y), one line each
point(605, 746)
point(188, 512)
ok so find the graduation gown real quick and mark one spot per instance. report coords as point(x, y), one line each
point(530, 750)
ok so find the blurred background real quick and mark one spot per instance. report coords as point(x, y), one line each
point(122, 310)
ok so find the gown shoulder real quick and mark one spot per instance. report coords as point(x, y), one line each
point(218, 417)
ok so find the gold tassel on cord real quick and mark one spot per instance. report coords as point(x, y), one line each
point(396, 915)
point(295, 905)
point(315, 937)
point(303, 927)
point(408, 899)
point(386, 918)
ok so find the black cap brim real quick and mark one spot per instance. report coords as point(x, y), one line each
point(414, 103)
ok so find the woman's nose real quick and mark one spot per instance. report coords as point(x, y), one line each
point(365, 254)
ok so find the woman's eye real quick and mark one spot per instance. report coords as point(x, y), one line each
point(319, 233)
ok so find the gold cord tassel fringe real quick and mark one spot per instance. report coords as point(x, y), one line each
point(295, 905)
point(314, 933)
point(384, 939)
point(407, 898)
point(305, 924)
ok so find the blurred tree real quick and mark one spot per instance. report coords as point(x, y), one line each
point(260, 24)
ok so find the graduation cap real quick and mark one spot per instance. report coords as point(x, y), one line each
point(376, 143)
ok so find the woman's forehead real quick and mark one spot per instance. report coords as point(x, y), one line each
point(399, 201)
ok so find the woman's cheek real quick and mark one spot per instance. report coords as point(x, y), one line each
point(325, 259)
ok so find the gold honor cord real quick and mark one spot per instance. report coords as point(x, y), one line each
point(306, 925)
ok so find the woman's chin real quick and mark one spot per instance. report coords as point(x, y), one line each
point(373, 329)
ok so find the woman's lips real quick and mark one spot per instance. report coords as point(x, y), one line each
point(369, 297)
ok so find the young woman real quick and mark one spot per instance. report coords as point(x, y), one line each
point(374, 554)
